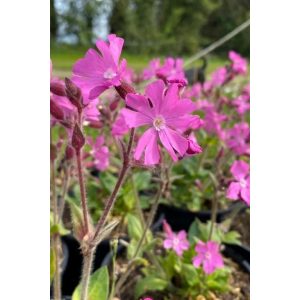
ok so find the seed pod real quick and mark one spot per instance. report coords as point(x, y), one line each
point(78, 139)
point(74, 94)
point(57, 88)
point(56, 111)
point(124, 89)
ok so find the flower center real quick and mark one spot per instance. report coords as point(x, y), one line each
point(175, 241)
point(243, 183)
point(159, 123)
point(109, 74)
point(207, 255)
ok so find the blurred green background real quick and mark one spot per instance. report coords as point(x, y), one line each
point(151, 28)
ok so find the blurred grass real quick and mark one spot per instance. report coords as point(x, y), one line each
point(64, 56)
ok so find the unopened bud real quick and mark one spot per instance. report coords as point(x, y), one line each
point(124, 89)
point(69, 153)
point(74, 94)
point(56, 111)
point(57, 88)
point(78, 139)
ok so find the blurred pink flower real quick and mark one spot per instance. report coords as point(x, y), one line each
point(99, 152)
point(150, 71)
point(208, 254)
point(242, 104)
point(219, 76)
point(239, 64)
point(96, 73)
point(119, 127)
point(237, 138)
point(172, 71)
point(240, 188)
point(178, 242)
point(166, 114)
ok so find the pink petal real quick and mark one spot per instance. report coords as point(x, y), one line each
point(168, 244)
point(152, 156)
point(135, 119)
point(245, 194)
point(181, 235)
point(139, 103)
point(107, 60)
point(143, 142)
point(165, 141)
point(197, 260)
point(177, 141)
point(155, 92)
point(115, 46)
point(208, 267)
point(233, 191)
point(239, 169)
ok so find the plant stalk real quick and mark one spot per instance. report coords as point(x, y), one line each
point(82, 192)
point(88, 258)
point(111, 200)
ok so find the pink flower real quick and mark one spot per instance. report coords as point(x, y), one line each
point(194, 91)
point(147, 298)
point(240, 188)
point(96, 72)
point(239, 64)
point(237, 139)
point(208, 254)
point(150, 72)
point(242, 104)
point(172, 71)
point(178, 242)
point(166, 114)
point(119, 127)
point(219, 77)
point(99, 152)
point(193, 147)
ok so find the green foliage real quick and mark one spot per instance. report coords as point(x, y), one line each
point(200, 231)
point(57, 228)
point(98, 287)
point(150, 283)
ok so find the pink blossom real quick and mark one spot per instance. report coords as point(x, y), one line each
point(150, 71)
point(99, 152)
point(240, 188)
point(119, 127)
point(208, 254)
point(237, 138)
point(166, 115)
point(242, 104)
point(96, 73)
point(218, 78)
point(172, 71)
point(239, 64)
point(194, 91)
point(178, 242)
point(193, 147)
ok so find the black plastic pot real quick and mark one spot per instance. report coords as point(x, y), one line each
point(239, 254)
point(179, 218)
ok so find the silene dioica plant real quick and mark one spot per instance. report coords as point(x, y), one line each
point(141, 135)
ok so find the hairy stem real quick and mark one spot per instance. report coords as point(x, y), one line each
point(111, 200)
point(82, 192)
point(64, 191)
point(153, 210)
point(88, 258)
point(55, 238)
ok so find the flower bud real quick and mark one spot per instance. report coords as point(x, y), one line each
point(124, 89)
point(193, 147)
point(57, 88)
point(69, 154)
point(56, 111)
point(78, 139)
point(74, 94)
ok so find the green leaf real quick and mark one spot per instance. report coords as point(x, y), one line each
point(59, 228)
point(52, 264)
point(149, 283)
point(232, 237)
point(190, 274)
point(98, 287)
point(219, 280)
point(142, 180)
point(135, 229)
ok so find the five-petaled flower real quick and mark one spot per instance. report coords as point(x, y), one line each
point(208, 255)
point(166, 115)
point(96, 72)
point(240, 187)
point(176, 241)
